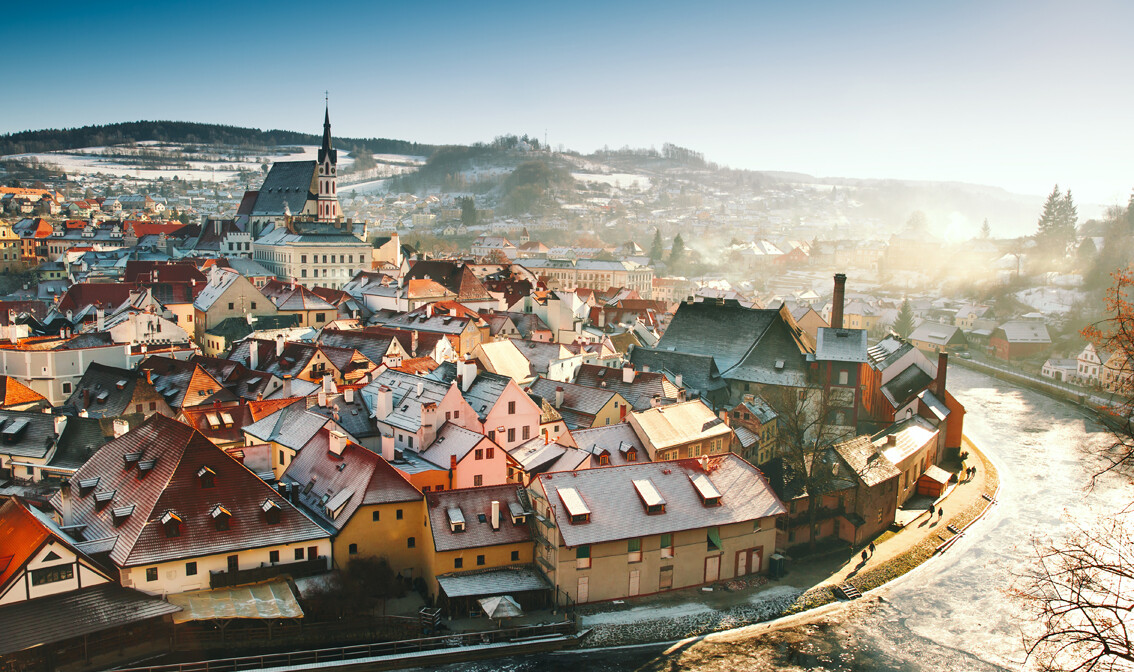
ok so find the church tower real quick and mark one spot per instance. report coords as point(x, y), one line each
point(328, 158)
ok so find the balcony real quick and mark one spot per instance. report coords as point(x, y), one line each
point(296, 570)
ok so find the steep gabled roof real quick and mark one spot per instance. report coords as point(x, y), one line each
point(15, 393)
point(474, 502)
point(173, 455)
point(288, 182)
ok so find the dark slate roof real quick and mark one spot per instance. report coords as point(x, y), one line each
point(100, 379)
point(903, 387)
point(646, 385)
point(484, 392)
point(176, 453)
point(81, 438)
point(725, 331)
point(353, 417)
point(473, 502)
point(579, 398)
point(699, 373)
point(51, 619)
point(291, 426)
point(236, 328)
point(870, 465)
point(288, 181)
point(887, 351)
point(840, 345)
point(455, 277)
point(774, 360)
point(373, 346)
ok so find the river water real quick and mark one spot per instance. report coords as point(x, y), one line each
point(954, 613)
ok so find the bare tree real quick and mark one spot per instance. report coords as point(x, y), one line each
point(1081, 589)
point(805, 431)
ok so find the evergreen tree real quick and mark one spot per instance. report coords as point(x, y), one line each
point(1055, 231)
point(904, 322)
point(468, 211)
point(656, 249)
point(677, 252)
point(985, 230)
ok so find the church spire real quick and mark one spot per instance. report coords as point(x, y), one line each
point(325, 152)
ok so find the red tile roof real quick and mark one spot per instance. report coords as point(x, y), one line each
point(14, 393)
point(22, 535)
point(172, 485)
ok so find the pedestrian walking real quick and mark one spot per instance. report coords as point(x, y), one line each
point(974, 472)
point(940, 513)
point(864, 556)
point(872, 549)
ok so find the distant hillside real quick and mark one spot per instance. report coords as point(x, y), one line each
point(54, 139)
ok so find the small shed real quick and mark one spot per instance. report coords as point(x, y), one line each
point(933, 482)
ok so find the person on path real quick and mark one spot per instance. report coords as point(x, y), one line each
point(872, 549)
point(940, 513)
point(974, 471)
point(864, 556)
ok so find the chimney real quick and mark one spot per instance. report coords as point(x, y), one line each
point(287, 385)
point(495, 515)
point(837, 300)
point(628, 373)
point(453, 312)
point(558, 396)
point(120, 427)
point(337, 442)
point(891, 439)
point(322, 397)
point(452, 462)
point(466, 373)
point(253, 354)
point(677, 380)
point(348, 395)
point(388, 452)
point(279, 345)
point(329, 384)
point(428, 424)
point(60, 424)
point(100, 320)
point(601, 318)
point(65, 502)
point(86, 397)
point(942, 370)
point(384, 402)
point(413, 344)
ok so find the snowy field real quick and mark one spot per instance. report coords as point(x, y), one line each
point(1050, 300)
point(619, 180)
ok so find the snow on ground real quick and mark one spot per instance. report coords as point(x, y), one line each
point(620, 180)
point(664, 623)
point(1050, 300)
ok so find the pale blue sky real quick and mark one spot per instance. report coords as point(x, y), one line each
point(1013, 94)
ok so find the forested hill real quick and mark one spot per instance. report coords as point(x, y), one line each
point(187, 132)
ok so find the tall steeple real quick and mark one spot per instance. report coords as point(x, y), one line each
point(328, 159)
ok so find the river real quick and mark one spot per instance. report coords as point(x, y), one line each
point(954, 613)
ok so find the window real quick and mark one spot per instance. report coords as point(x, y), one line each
point(843, 375)
point(511, 408)
point(234, 563)
point(253, 305)
point(526, 433)
point(667, 545)
point(511, 435)
point(352, 549)
point(190, 569)
point(153, 405)
point(53, 574)
point(411, 542)
point(479, 560)
point(151, 573)
point(713, 539)
point(458, 563)
point(231, 306)
point(303, 258)
point(273, 557)
point(582, 557)
point(66, 388)
point(374, 516)
point(634, 550)
point(489, 453)
point(319, 317)
point(515, 556)
point(479, 454)
point(299, 554)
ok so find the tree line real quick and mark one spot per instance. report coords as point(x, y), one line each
point(54, 139)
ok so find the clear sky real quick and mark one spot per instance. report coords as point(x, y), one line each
point(1014, 94)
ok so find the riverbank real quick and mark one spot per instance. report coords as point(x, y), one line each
point(692, 613)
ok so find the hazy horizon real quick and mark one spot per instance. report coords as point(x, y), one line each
point(1018, 95)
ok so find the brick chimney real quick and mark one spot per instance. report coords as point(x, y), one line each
point(942, 369)
point(837, 300)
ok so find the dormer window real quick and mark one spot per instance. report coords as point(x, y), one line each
point(271, 511)
point(103, 498)
point(456, 519)
point(207, 476)
point(221, 517)
point(121, 513)
point(632, 455)
point(577, 511)
point(651, 498)
point(172, 524)
point(87, 485)
point(708, 492)
point(130, 459)
point(145, 467)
